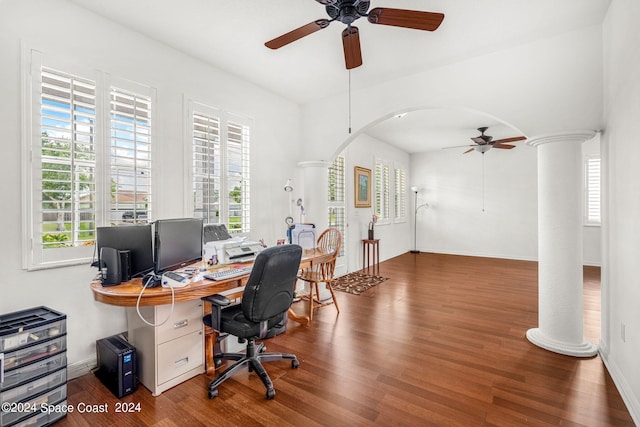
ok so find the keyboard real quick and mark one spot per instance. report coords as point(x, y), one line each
point(228, 274)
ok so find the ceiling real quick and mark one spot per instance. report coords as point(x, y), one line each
point(230, 35)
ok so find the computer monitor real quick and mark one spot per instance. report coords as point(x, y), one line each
point(135, 238)
point(178, 242)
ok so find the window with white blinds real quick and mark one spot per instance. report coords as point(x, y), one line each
point(64, 165)
point(382, 191)
point(592, 191)
point(221, 181)
point(87, 159)
point(400, 195)
point(131, 174)
point(336, 199)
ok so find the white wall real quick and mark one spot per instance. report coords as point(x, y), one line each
point(455, 222)
point(395, 238)
point(102, 45)
point(620, 289)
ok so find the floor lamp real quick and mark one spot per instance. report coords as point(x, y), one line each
point(415, 219)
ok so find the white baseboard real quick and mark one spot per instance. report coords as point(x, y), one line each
point(80, 368)
point(627, 394)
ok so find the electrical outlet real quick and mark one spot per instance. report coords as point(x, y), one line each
point(623, 332)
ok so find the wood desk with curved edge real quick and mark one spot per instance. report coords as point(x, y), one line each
point(126, 295)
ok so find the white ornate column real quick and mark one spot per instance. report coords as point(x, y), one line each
point(560, 281)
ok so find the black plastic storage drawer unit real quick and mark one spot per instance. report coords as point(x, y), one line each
point(33, 365)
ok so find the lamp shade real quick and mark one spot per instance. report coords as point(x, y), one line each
point(415, 189)
point(288, 187)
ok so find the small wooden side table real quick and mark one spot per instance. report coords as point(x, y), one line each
point(371, 249)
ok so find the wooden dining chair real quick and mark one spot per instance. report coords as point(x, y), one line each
point(331, 241)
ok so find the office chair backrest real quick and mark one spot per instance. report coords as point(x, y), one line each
point(269, 289)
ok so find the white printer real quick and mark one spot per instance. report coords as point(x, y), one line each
point(220, 248)
point(236, 249)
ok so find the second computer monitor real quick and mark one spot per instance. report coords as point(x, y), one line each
point(178, 242)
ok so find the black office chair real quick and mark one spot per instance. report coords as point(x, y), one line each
point(267, 296)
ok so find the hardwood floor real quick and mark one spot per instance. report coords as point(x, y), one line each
point(442, 342)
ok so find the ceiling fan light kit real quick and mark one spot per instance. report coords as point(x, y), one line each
point(349, 11)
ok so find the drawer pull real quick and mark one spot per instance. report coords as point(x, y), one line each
point(181, 324)
point(181, 362)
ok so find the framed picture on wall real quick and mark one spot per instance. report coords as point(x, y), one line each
point(362, 186)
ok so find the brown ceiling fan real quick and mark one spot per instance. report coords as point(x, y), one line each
point(484, 143)
point(348, 11)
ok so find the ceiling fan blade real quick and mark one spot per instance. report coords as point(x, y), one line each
point(514, 139)
point(297, 34)
point(469, 150)
point(351, 45)
point(427, 21)
point(507, 146)
point(458, 146)
point(479, 140)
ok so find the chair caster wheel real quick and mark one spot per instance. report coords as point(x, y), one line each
point(271, 393)
point(295, 364)
point(213, 393)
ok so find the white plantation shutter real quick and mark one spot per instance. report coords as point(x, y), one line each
point(220, 156)
point(592, 191)
point(206, 168)
point(130, 158)
point(336, 191)
point(382, 191)
point(63, 165)
point(238, 178)
point(400, 197)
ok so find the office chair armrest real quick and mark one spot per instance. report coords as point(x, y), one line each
point(217, 300)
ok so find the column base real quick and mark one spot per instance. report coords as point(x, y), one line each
point(584, 349)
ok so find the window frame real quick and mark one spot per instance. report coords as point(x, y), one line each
point(34, 256)
point(224, 118)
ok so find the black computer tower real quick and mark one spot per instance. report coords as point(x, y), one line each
point(117, 365)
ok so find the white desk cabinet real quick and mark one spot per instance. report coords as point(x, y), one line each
point(172, 352)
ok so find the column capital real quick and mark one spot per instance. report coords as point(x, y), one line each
point(570, 136)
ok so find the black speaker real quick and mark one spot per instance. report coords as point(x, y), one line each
point(110, 258)
point(125, 265)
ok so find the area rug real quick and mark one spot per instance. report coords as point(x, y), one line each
point(356, 282)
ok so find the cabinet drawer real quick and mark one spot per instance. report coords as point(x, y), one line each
point(33, 370)
point(34, 387)
point(40, 419)
point(28, 408)
point(35, 352)
point(179, 356)
point(186, 319)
